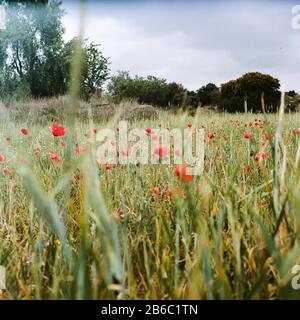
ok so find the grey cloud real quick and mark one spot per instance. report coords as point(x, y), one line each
point(194, 42)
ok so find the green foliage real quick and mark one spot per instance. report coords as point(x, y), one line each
point(149, 90)
point(209, 95)
point(95, 69)
point(255, 90)
point(177, 94)
point(34, 60)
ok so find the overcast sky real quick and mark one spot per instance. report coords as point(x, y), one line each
point(193, 42)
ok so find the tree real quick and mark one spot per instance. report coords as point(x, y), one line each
point(95, 69)
point(255, 90)
point(34, 60)
point(208, 95)
point(32, 36)
point(149, 90)
point(177, 94)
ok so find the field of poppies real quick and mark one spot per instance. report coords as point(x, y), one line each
point(72, 228)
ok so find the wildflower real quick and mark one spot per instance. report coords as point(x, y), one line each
point(156, 190)
point(37, 151)
point(2, 158)
point(177, 152)
point(55, 157)
point(247, 169)
point(169, 193)
point(268, 136)
point(161, 151)
point(189, 125)
point(296, 132)
point(211, 135)
point(155, 137)
point(180, 191)
point(260, 156)
point(182, 173)
point(62, 143)
point(108, 167)
point(24, 131)
point(121, 214)
point(148, 131)
point(58, 131)
point(94, 131)
point(247, 135)
point(6, 170)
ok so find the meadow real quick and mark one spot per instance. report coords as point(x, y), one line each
point(71, 228)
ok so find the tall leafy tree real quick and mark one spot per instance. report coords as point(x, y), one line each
point(258, 91)
point(208, 95)
point(34, 60)
point(32, 41)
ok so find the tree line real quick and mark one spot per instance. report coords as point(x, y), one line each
point(35, 61)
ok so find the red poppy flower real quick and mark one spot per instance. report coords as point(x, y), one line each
point(226, 138)
point(189, 125)
point(55, 157)
point(108, 167)
point(296, 132)
point(211, 135)
point(177, 152)
point(268, 136)
point(247, 135)
point(58, 131)
point(161, 151)
point(247, 169)
point(155, 137)
point(169, 193)
point(121, 214)
point(181, 172)
point(156, 190)
point(261, 155)
point(180, 191)
point(6, 170)
point(2, 158)
point(148, 131)
point(37, 151)
point(62, 143)
point(24, 131)
point(94, 131)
